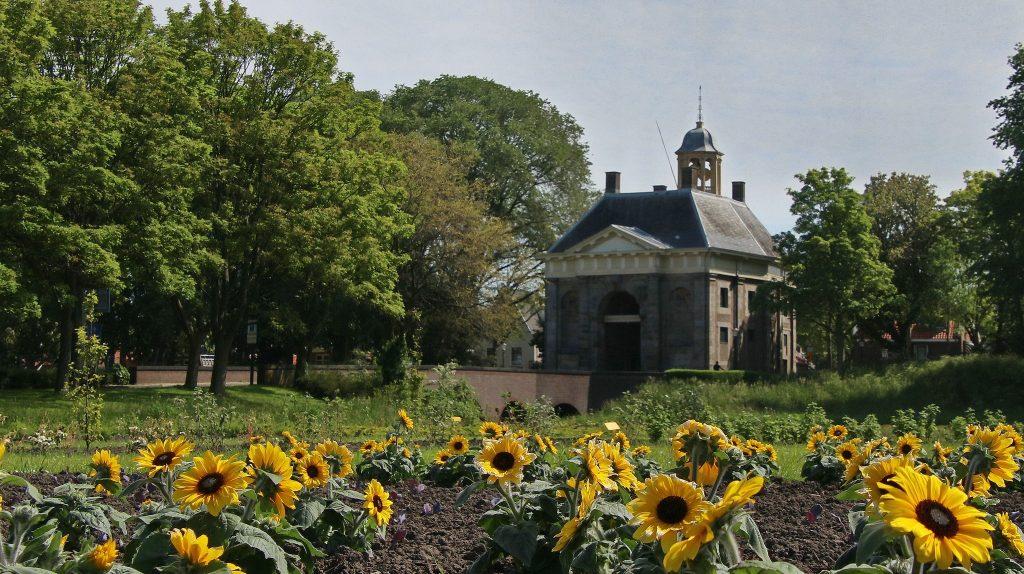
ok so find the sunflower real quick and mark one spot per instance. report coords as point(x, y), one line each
point(3, 450)
point(759, 447)
point(163, 455)
point(291, 439)
point(368, 447)
point(908, 445)
point(707, 474)
point(740, 493)
point(234, 568)
point(458, 444)
point(403, 417)
point(622, 440)
point(587, 496)
point(551, 445)
point(102, 556)
point(196, 550)
point(377, 503)
point(941, 453)
point(847, 451)
point(443, 456)
point(937, 515)
point(642, 450)
point(338, 456)
point(491, 430)
point(1010, 432)
point(1000, 467)
point(853, 466)
point(270, 458)
point(597, 467)
point(879, 475)
point(541, 445)
point(313, 471)
point(838, 432)
point(105, 466)
point(298, 453)
point(503, 460)
point(213, 481)
point(815, 440)
point(622, 469)
point(665, 504)
point(1011, 533)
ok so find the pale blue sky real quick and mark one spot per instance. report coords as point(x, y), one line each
point(872, 86)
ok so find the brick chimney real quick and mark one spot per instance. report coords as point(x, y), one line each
point(612, 181)
point(739, 191)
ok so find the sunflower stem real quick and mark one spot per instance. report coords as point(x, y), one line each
point(510, 502)
point(732, 548)
point(718, 481)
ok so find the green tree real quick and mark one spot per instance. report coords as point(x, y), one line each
point(295, 151)
point(905, 217)
point(834, 278)
point(449, 283)
point(530, 158)
point(969, 302)
point(1001, 210)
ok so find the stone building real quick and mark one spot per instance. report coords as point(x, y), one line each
point(665, 278)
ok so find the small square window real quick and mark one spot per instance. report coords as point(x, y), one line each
point(723, 334)
point(723, 297)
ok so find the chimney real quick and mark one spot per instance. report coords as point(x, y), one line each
point(739, 191)
point(661, 188)
point(686, 177)
point(612, 181)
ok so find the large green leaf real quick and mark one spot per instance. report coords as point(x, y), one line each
point(17, 481)
point(261, 542)
point(519, 541)
point(307, 512)
point(872, 537)
point(763, 567)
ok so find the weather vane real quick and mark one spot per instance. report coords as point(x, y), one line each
point(700, 104)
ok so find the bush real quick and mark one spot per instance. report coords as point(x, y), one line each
point(657, 407)
point(16, 378)
point(329, 384)
point(449, 396)
point(712, 376)
point(920, 423)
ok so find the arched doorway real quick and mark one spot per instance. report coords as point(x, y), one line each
point(621, 319)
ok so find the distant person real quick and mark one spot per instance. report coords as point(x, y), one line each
point(717, 367)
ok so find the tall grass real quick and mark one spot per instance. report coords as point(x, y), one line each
point(954, 384)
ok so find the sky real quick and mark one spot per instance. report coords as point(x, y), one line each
point(788, 86)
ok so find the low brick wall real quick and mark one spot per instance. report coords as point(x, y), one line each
point(175, 375)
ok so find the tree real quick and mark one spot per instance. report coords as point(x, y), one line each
point(65, 195)
point(1001, 211)
point(293, 145)
point(530, 159)
point(905, 216)
point(834, 277)
point(969, 302)
point(450, 285)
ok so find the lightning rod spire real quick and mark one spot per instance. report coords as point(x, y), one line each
point(700, 104)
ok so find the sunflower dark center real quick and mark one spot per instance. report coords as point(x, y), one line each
point(504, 461)
point(163, 458)
point(672, 509)
point(458, 446)
point(210, 483)
point(378, 503)
point(937, 518)
point(313, 471)
point(847, 454)
point(906, 449)
point(299, 454)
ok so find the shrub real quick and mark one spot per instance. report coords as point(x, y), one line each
point(538, 417)
point(657, 407)
point(920, 423)
point(712, 376)
point(328, 384)
point(450, 396)
point(17, 378)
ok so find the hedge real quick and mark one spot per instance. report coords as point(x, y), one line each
point(734, 376)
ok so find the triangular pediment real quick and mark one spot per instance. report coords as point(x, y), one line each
point(618, 239)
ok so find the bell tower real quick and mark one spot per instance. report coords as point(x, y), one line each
point(700, 162)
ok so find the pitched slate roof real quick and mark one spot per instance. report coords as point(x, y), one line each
point(676, 219)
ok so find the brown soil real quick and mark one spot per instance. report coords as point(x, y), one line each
point(801, 522)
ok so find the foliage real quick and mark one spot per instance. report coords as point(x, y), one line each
point(328, 383)
point(443, 405)
point(654, 407)
point(834, 276)
point(920, 423)
point(709, 375)
point(529, 157)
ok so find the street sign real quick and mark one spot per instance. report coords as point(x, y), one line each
point(250, 332)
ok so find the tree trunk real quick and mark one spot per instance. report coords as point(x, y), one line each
point(221, 356)
point(69, 320)
point(301, 363)
point(195, 347)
